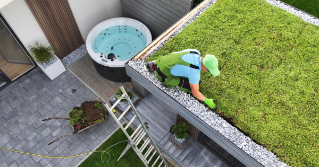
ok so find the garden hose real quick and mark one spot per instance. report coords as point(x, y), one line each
point(72, 155)
point(67, 156)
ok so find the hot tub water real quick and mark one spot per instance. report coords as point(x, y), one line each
point(123, 41)
point(113, 42)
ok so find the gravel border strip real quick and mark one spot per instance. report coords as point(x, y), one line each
point(75, 55)
point(258, 152)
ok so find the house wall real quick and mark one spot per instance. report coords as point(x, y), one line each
point(23, 23)
point(89, 13)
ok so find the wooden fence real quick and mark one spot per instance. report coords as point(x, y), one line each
point(157, 15)
point(56, 20)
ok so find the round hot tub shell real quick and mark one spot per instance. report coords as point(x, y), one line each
point(113, 42)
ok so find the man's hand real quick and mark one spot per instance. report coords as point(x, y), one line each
point(210, 103)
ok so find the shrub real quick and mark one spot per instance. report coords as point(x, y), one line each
point(180, 130)
point(41, 53)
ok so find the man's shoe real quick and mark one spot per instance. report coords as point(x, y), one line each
point(150, 66)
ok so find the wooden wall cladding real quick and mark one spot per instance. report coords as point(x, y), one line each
point(157, 15)
point(56, 20)
point(192, 130)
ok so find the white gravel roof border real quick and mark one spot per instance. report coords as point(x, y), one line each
point(256, 151)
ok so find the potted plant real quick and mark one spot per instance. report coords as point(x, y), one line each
point(180, 131)
point(45, 58)
point(119, 93)
point(123, 104)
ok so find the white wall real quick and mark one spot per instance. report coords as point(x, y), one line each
point(23, 23)
point(89, 13)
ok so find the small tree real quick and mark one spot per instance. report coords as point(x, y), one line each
point(180, 130)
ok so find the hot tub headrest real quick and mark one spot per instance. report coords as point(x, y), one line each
point(111, 56)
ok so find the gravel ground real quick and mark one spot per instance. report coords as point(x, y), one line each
point(258, 152)
point(75, 55)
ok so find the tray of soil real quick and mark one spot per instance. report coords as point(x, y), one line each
point(81, 118)
point(88, 114)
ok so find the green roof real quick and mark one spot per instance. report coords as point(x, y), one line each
point(269, 73)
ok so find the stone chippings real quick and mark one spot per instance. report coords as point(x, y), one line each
point(75, 55)
point(258, 152)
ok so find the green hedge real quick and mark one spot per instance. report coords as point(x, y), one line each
point(269, 81)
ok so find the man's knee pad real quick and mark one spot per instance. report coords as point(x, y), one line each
point(184, 83)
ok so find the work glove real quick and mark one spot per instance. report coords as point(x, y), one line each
point(211, 103)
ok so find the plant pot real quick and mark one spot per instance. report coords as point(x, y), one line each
point(91, 116)
point(53, 70)
point(180, 140)
point(121, 106)
point(177, 143)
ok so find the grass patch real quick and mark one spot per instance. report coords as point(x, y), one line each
point(130, 159)
point(95, 158)
point(269, 79)
point(308, 6)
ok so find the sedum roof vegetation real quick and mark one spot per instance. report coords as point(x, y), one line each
point(269, 80)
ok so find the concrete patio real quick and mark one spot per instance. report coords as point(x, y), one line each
point(23, 105)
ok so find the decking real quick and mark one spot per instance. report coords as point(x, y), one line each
point(84, 69)
point(160, 118)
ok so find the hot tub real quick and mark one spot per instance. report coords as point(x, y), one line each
point(112, 42)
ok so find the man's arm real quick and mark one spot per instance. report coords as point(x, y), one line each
point(196, 92)
point(200, 96)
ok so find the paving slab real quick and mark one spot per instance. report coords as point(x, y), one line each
point(34, 97)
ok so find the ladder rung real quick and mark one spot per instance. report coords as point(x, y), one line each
point(137, 134)
point(117, 101)
point(137, 129)
point(136, 138)
point(145, 144)
point(151, 156)
point(148, 151)
point(161, 163)
point(156, 161)
point(122, 115)
point(140, 138)
point(128, 125)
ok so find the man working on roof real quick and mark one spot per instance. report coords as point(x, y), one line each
point(182, 69)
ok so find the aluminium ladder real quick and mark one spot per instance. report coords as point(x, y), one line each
point(137, 136)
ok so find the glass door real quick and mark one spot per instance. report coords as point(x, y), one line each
point(14, 60)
